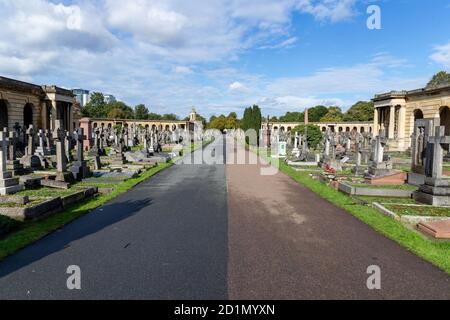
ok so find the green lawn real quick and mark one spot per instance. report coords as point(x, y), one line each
point(399, 187)
point(436, 252)
point(418, 210)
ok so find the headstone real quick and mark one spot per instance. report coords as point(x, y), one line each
point(8, 184)
point(13, 164)
point(30, 160)
point(59, 135)
point(436, 190)
point(379, 167)
point(80, 169)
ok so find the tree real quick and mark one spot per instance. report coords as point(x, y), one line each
point(218, 123)
point(252, 120)
point(170, 117)
point(154, 116)
point(334, 114)
point(293, 117)
point(361, 111)
point(119, 110)
point(317, 113)
point(96, 107)
point(141, 112)
point(440, 78)
point(314, 135)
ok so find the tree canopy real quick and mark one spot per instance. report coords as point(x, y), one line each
point(440, 78)
point(334, 114)
point(314, 135)
point(360, 111)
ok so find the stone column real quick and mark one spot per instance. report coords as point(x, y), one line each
point(391, 122)
point(402, 128)
point(376, 125)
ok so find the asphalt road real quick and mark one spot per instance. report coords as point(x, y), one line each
point(211, 231)
point(165, 239)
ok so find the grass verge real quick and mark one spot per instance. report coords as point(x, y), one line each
point(436, 252)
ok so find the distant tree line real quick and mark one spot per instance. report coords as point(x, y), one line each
point(98, 108)
point(361, 111)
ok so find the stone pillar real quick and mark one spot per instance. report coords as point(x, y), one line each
point(85, 124)
point(391, 130)
point(376, 125)
point(402, 128)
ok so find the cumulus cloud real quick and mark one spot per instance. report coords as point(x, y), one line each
point(237, 86)
point(183, 70)
point(441, 55)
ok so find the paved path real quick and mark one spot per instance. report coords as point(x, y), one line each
point(181, 235)
point(165, 239)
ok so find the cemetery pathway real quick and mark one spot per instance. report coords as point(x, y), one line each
point(285, 242)
point(165, 239)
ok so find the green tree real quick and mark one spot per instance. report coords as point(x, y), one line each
point(141, 112)
point(96, 107)
point(334, 114)
point(170, 117)
point(361, 111)
point(154, 116)
point(317, 113)
point(314, 135)
point(119, 110)
point(293, 117)
point(440, 78)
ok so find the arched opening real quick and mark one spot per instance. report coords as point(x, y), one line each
point(153, 127)
point(324, 129)
point(282, 129)
point(275, 128)
point(174, 127)
point(418, 114)
point(167, 128)
point(444, 114)
point(289, 129)
point(109, 125)
point(363, 130)
point(347, 129)
point(146, 126)
point(355, 129)
point(28, 115)
point(341, 129)
point(103, 125)
point(3, 114)
point(95, 125)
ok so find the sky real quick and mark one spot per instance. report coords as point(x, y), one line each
point(224, 55)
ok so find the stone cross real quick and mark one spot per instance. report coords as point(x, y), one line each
point(438, 142)
point(41, 140)
point(59, 136)
point(3, 152)
point(12, 146)
point(68, 146)
point(380, 144)
point(358, 146)
point(30, 134)
point(48, 139)
point(79, 137)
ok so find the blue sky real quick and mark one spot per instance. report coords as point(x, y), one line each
point(221, 56)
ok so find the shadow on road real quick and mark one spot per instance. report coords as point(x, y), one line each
point(61, 239)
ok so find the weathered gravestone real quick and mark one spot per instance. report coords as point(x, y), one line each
point(59, 135)
point(8, 184)
point(80, 168)
point(30, 160)
point(13, 164)
point(423, 130)
point(436, 189)
point(380, 166)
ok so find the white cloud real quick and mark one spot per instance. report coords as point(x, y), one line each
point(332, 10)
point(441, 55)
point(237, 86)
point(183, 70)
